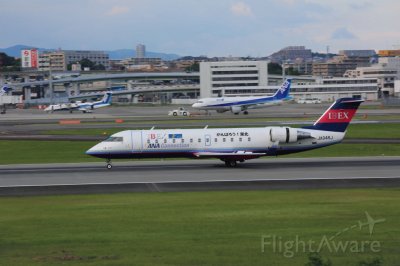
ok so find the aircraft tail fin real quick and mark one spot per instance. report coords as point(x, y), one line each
point(283, 91)
point(5, 90)
point(338, 116)
point(107, 98)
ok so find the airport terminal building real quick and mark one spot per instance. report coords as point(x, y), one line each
point(250, 78)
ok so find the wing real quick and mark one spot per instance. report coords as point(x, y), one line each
point(237, 155)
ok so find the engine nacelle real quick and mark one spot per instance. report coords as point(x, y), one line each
point(283, 134)
point(236, 109)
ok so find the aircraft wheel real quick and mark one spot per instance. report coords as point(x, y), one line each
point(231, 163)
point(109, 166)
point(245, 112)
point(175, 114)
point(184, 114)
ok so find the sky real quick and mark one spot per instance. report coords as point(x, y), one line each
point(201, 27)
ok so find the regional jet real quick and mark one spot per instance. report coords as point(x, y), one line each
point(231, 145)
point(242, 104)
point(85, 107)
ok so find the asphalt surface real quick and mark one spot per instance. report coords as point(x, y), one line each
point(205, 174)
point(31, 121)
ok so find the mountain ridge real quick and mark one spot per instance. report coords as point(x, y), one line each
point(15, 51)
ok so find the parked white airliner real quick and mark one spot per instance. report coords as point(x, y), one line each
point(85, 107)
point(242, 104)
point(230, 145)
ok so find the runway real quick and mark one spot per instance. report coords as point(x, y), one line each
point(194, 175)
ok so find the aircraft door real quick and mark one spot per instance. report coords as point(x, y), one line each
point(207, 140)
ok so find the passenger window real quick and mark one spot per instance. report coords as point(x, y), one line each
point(182, 140)
point(215, 140)
point(165, 140)
point(223, 139)
point(240, 139)
point(249, 139)
point(148, 141)
point(191, 140)
point(199, 140)
point(231, 139)
point(173, 140)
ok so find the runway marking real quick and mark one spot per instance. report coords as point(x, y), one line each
point(206, 181)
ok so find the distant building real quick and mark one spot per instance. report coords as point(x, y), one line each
point(327, 90)
point(387, 53)
point(346, 60)
point(59, 60)
point(97, 57)
point(216, 76)
point(140, 51)
point(301, 66)
point(291, 53)
point(29, 58)
point(386, 72)
point(331, 69)
point(357, 53)
point(52, 60)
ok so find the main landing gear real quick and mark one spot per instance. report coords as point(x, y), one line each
point(109, 165)
point(230, 163)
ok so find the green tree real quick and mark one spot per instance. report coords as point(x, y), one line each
point(195, 67)
point(275, 69)
point(293, 72)
point(9, 63)
point(87, 63)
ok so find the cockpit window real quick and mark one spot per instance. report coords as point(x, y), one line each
point(115, 139)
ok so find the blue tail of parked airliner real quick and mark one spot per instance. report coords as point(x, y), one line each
point(284, 90)
point(5, 90)
point(107, 98)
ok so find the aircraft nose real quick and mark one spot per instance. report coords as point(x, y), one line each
point(195, 105)
point(93, 150)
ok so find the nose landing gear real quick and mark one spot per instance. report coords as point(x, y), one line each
point(109, 165)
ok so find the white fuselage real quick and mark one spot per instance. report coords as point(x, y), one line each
point(227, 103)
point(197, 142)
